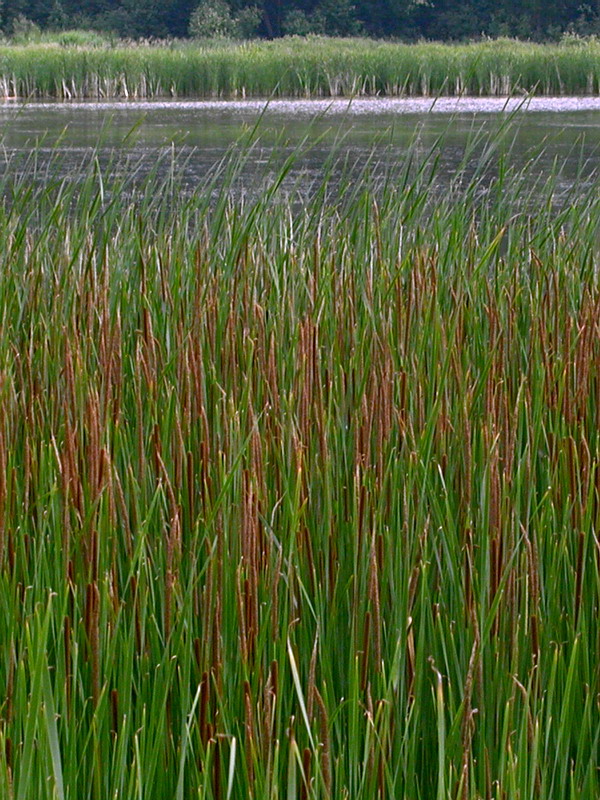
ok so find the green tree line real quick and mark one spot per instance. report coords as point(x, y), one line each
point(405, 19)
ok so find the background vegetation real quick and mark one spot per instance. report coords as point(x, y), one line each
point(75, 67)
point(361, 565)
point(432, 19)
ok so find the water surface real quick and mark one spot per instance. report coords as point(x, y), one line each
point(558, 133)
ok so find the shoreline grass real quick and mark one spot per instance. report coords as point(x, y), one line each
point(294, 67)
point(299, 502)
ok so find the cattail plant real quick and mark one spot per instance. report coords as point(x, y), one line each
point(264, 462)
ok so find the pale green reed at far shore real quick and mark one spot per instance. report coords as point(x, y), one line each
point(296, 67)
point(299, 498)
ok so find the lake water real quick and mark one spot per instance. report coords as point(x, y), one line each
point(563, 132)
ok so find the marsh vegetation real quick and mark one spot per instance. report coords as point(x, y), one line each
point(299, 67)
point(299, 500)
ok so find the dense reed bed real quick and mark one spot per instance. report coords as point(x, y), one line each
point(299, 499)
point(300, 68)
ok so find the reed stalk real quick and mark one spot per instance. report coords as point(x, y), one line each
point(264, 462)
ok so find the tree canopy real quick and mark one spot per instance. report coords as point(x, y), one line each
point(404, 19)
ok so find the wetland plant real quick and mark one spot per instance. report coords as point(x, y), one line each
point(297, 67)
point(299, 501)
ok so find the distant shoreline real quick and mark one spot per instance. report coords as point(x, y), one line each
point(300, 68)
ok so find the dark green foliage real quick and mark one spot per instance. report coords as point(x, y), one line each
point(211, 19)
point(408, 19)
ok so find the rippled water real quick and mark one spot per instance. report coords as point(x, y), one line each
point(375, 106)
point(197, 134)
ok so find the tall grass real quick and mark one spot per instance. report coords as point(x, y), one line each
point(299, 68)
point(299, 501)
